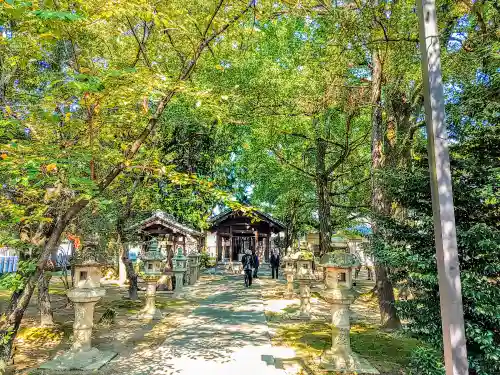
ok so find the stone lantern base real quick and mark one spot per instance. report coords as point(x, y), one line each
point(82, 356)
point(149, 312)
point(89, 360)
point(305, 301)
point(289, 292)
point(350, 363)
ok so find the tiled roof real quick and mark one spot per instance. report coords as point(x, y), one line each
point(167, 220)
point(224, 214)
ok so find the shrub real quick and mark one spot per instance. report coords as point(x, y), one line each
point(206, 261)
point(405, 243)
point(426, 361)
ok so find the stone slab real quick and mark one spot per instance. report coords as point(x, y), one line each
point(88, 361)
point(358, 366)
point(158, 315)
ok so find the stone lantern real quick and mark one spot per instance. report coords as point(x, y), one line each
point(289, 273)
point(179, 267)
point(339, 293)
point(194, 265)
point(151, 272)
point(305, 276)
point(86, 292)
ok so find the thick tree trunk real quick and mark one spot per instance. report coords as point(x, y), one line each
point(380, 206)
point(129, 267)
point(46, 316)
point(132, 279)
point(127, 263)
point(11, 322)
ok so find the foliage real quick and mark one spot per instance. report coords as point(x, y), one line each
point(206, 261)
point(16, 281)
point(426, 361)
point(407, 246)
point(389, 352)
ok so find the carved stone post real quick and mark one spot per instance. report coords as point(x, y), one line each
point(180, 265)
point(305, 276)
point(289, 273)
point(192, 261)
point(340, 295)
point(151, 273)
point(85, 294)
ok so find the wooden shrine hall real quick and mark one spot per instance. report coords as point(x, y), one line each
point(237, 232)
point(171, 235)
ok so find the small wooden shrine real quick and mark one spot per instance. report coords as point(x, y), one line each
point(170, 235)
point(238, 231)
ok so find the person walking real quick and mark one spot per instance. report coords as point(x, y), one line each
point(275, 264)
point(256, 265)
point(248, 264)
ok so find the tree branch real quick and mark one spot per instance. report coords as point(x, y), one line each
point(284, 161)
point(345, 191)
point(141, 47)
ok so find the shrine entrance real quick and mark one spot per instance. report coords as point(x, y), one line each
point(237, 232)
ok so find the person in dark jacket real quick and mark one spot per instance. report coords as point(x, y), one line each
point(275, 264)
point(248, 264)
point(256, 264)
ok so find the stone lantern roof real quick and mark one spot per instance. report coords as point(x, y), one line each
point(339, 259)
point(162, 219)
point(152, 252)
point(303, 255)
point(89, 255)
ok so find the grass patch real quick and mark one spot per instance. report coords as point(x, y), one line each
point(388, 352)
point(58, 292)
point(291, 309)
point(41, 335)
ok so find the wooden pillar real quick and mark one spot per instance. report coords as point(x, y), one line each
point(230, 243)
point(256, 240)
point(217, 247)
point(174, 247)
point(445, 237)
point(267, 249)
point(184, 251)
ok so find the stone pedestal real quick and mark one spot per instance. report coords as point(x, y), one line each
point(289, 274)
point(180, 267)
point(84, 302)
point(340, 358)
point(150, 312)
point(305, 299)
point(289, 293)
point(179, 280)
point(84, 297)
point(193, 268)
point(305, 276)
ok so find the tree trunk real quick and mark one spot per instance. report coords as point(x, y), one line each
point(132, 277)
point(380, 206)
point(325, 230)
point(127, 263)
point(46, 316)
point(11, 322)
point(129, 267)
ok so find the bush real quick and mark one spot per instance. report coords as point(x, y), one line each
point(426, 361)
point(206, 261)
point(405, 243)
